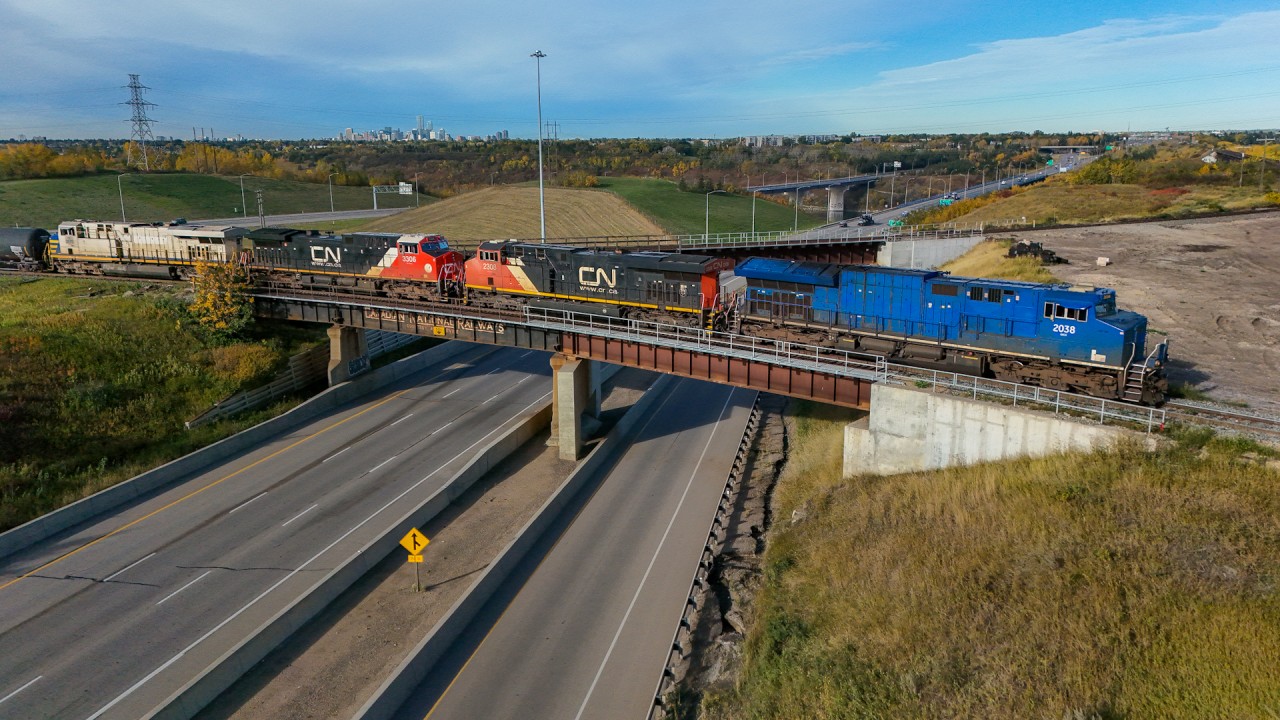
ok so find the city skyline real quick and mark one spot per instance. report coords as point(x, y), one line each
point(716, 70)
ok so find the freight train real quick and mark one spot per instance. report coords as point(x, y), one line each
point(1046, 335)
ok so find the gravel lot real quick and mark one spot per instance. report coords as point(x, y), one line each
point(1212, 285)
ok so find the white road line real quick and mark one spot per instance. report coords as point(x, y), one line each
point(653, 559)
point(246, 502)
point(406, 417)
point(337, 454)
point(524, 353)
point(24, 687)
point(133, 688)
point(433, 432)
point(384, 462)
point(493, 371)
point(304, 512)
point(184, 587)
point(486, 402)
point(136, 562)
point(453, 391)
point(526, 377)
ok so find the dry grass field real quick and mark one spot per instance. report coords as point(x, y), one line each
point(512, 212)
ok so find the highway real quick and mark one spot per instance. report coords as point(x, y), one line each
point(588, 633)
point(113, 617)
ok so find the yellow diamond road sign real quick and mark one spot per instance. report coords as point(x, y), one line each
point(414, 541)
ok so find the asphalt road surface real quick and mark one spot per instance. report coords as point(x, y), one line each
point(588, 633)
point(111, 618)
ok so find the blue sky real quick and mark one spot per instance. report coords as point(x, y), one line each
point(662, 68)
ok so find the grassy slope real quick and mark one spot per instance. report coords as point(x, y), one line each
point(1109, 585)
point(686, 212)
point(648, 207)
point(1060, 203)
point(988, 259)
point(95, 386)
point(148, 198)
point(512, 212)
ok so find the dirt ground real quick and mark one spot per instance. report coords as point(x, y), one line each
point(1211, 286)
point(331, 666)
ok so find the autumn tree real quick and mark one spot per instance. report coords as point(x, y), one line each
point(222, 305)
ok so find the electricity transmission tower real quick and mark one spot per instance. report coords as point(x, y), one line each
point(141, 123)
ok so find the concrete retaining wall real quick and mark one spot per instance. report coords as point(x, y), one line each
point(420, 661)
point(228, 668)
point(911, 430)
point(188, 466)
point(925, 254)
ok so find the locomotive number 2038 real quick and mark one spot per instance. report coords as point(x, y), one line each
point(1064, 329)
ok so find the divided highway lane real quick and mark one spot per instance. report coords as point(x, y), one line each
point(587, 635)
point(111, 620)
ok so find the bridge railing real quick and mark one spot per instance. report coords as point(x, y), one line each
point(827, 236)
point(774, 352)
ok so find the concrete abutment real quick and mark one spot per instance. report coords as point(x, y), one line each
point(575, 402)
point(910, 430)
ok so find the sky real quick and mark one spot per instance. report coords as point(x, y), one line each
point(660, 68)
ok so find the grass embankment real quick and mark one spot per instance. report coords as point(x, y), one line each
point(687, 212)
point(618, 207)
point(512, 212)
point(162, 197)
point(990, 259)
point(97, 379)
point(1107, 585)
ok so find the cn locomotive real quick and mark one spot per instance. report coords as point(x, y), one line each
point(1039, 334)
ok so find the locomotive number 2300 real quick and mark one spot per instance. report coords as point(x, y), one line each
point(1063, 329)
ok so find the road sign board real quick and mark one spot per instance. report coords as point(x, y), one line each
point(1050, 162)
point(415, 558)
point(414, 541)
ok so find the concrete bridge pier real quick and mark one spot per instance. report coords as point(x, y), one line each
point(348, 353)
point(575, 403)
point(835, 202)
point(911, 430)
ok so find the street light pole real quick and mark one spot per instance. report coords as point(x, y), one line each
point(331, 191)
point(244, 211)
point(542, 203)
point(795, 224)
point(120, 188)
point(415, 189)
point(1262, 171)
point(706, 224)
point(753, 206)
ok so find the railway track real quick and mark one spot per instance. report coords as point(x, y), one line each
point(1259, 426)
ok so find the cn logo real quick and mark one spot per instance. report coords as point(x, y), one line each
point(326, 255)
point(595, 277)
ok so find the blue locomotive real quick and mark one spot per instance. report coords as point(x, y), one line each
point(1030, 333)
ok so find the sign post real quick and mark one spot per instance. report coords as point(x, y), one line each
point(414, 542)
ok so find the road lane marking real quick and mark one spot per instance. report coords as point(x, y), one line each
point(24, 687)
point(498, 369)
point(384, 462)
point(133, 688)
point(654, 559)
point(454, 391)
point(653, 414)
point(406, 417)
point(337, 453)
point(130, 566)
point(486, 402)
point(193, 493)
point(184, 587)
point(246, 502)
point(433, 432)
point(524, 353)
point(304, 512)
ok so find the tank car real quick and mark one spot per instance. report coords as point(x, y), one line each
point(24, 248)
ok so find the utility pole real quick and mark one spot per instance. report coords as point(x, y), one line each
point(1262, 171)
point(262, 215)
point(542, 201)
point(141, 123)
